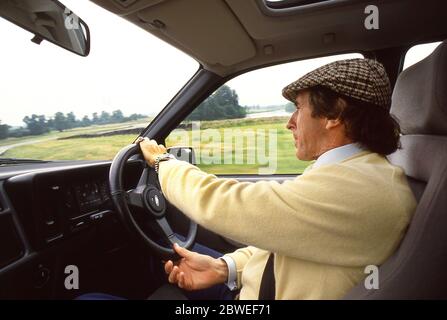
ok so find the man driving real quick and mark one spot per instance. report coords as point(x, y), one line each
point(311, 237)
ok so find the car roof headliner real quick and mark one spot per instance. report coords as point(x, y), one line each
point(228, 36)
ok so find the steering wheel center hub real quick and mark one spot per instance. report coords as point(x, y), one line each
point(155, 201)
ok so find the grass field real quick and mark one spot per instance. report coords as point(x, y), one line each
point(101, 148)
point(75, 131)
point(255, 144)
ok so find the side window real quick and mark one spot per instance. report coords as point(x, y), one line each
point(241, 127)
point(419, 52)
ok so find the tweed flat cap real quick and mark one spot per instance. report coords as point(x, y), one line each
point(362, 79)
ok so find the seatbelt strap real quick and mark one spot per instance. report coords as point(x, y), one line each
point(267, 289)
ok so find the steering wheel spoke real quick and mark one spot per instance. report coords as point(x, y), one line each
point(168, 232)
point(135, 197)
point(144, 178)
point(165, 227)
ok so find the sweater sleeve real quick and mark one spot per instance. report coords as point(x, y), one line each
point(311, 217)
point(240, 258)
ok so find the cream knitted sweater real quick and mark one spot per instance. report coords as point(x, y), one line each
point(324, 227)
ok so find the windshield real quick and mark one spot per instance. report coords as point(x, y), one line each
point(55, 105)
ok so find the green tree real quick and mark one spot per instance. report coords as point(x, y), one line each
point(36, 124)
point(71, 120)
point(223, 104)
point(226, 96)
point(4, 130)
point(60, 122)
point(105, 117)
point(85, 122)
point(95, 118)
point(50, 124)
point(19, 132)
point(135, 116)
point(117, 116)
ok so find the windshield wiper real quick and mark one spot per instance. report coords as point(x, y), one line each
point(9, 161)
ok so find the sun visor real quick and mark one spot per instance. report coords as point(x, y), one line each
point(204, 29)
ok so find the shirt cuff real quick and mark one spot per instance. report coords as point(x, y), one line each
point(232, 274)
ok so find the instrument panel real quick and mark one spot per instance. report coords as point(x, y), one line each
point(53, 205)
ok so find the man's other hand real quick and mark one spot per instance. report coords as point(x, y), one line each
point(195, 271)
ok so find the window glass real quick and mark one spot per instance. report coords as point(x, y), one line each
point(241, 128)
point(419, 52)
point(55, 105)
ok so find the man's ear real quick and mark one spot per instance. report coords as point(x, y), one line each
point(334, 123)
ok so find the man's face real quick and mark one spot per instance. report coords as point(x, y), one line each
point(308, 132)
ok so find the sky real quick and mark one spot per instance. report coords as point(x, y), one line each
point(127, 69)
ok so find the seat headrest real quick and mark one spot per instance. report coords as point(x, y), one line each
point(419, 100)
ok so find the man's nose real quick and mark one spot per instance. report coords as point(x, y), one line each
point(290, 124)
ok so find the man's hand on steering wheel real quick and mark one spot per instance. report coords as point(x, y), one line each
point(151, 150)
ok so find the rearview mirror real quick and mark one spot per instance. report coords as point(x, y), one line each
point(49, 20)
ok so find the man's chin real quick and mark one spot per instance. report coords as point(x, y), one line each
point(299, 156)
point(302, 157)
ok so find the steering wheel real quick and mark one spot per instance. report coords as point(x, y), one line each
point(148, 197)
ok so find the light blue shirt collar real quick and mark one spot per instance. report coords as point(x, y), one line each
point(338, 154)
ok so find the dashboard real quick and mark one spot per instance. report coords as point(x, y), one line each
point(60, 213)
point(44, 207)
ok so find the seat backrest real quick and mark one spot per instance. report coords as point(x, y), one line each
point(418, 269)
